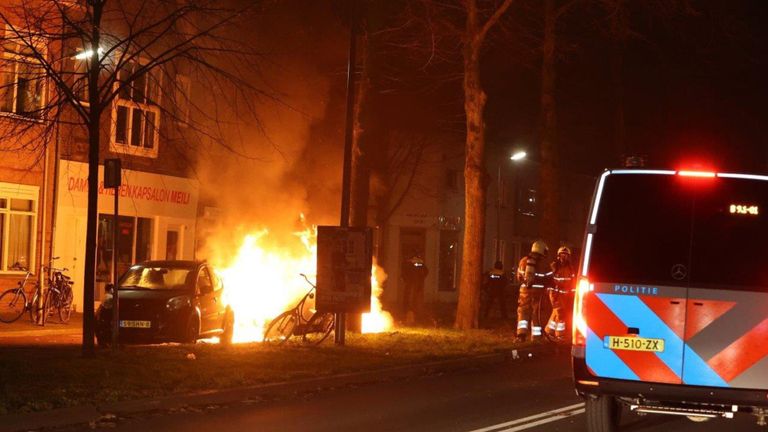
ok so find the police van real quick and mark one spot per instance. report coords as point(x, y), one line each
point(671, 306)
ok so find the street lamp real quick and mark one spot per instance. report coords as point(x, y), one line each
point(515, 157)
point(519, 155)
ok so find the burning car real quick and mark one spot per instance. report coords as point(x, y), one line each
point(164, 301)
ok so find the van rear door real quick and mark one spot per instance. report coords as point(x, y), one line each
point(638, 266)
point(727, 314)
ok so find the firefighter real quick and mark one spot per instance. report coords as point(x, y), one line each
point(494, 289)
point(413, 271)
point(533, 274)
point(563, 276)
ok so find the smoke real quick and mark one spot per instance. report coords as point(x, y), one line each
point(292, 139)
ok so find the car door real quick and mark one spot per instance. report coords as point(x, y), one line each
point(635, 312)
point(207, 300)
point(727, 314)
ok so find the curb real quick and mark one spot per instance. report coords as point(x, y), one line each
point(41, 333)
point(89, 413)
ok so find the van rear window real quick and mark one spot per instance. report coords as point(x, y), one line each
point(648, 225)
point(643, 230)
point(730, 235)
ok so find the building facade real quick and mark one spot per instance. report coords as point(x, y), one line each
point(430, 221)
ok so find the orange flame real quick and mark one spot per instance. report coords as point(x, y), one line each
point(262, 281)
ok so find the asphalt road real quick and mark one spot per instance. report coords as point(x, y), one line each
point(532, 394)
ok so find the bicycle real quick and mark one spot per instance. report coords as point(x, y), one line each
point(13, 302)
point(58, 296)
point(292, 322)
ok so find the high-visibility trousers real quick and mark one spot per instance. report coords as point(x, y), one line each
point(556, 324)
point(528, 302)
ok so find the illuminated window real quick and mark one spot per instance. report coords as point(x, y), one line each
point(527, 202)
point(18, 216)
point(136, 113)
point(22, 76)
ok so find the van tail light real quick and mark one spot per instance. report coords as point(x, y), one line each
point(579, 318)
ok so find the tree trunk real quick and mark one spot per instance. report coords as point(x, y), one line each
point(94, 142)
point(549, 228)
point(474, 189)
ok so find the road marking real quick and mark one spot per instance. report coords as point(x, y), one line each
point(543, 418)
point(555, 418)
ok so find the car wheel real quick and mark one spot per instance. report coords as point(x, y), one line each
point(193, 331)
point(603, 414)
point(229, 328)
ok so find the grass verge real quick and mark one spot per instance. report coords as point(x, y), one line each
point(47, 377)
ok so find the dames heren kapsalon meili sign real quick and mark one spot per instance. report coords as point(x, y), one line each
point(149, 193)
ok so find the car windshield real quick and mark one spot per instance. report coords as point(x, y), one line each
point(155, 278)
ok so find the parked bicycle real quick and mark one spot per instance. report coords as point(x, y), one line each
point(13, 302)
point(59, 296)
point(293, 322)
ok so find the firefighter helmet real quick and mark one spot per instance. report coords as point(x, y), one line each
point(539, 247)
point(564, 250)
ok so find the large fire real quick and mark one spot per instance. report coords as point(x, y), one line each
point(263, 280)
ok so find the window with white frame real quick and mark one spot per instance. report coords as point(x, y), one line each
point(22, 76)
point(18, 220)
point(136, 114)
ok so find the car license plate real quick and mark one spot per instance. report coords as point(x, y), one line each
point(135, 324)
point(634, 343)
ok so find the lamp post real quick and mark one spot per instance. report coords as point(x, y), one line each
point(515, 157)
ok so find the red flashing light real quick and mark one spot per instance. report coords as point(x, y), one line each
point(705, 174)
point(579, 330)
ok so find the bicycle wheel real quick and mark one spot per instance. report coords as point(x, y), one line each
point(47, 307)
point(65, 304)
point(35, 307)
point(12, 305)
point(281, 328)
point(319, 327)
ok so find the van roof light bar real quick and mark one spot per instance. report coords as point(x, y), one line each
point(708, 174)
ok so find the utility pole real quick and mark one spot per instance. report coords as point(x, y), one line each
point(340, 333)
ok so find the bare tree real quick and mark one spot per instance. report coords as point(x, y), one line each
point(475, 34)
point(92, 52)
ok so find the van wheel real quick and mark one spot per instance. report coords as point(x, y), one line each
point(603, 414)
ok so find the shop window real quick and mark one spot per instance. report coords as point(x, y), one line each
point(22, 76)
point(449, 260)
point(136, 113)
point(134, 244)
point(18, 218)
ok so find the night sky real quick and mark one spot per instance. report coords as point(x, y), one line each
point(694, 89)
point(693, 81)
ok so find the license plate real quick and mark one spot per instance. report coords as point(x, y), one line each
point(135, 324)
point(633, 343)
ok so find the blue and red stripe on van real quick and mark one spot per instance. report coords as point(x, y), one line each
point(691, 355)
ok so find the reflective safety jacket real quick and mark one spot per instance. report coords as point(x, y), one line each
point(533, 272)
point(495, 279)
point(564, 276)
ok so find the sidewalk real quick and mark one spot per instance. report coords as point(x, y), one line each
point(110, 412)
point(25, 331)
